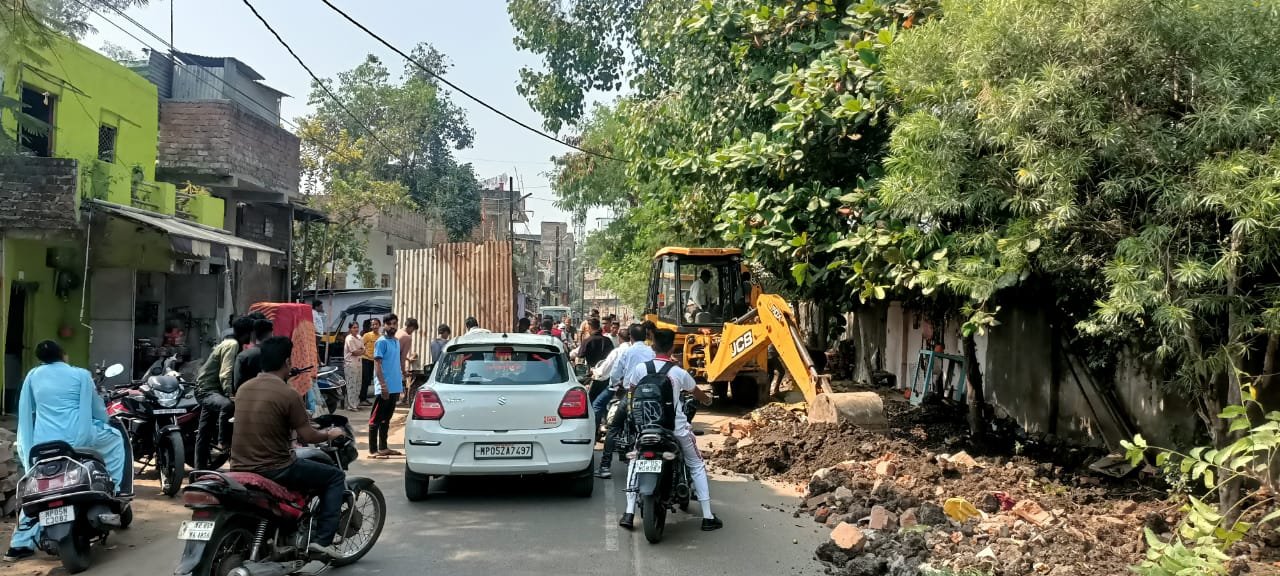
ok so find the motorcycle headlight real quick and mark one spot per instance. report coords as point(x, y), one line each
point(168, 399)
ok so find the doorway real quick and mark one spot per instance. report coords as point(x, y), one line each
point(14, 346)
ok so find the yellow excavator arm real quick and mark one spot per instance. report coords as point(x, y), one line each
point(746, 338)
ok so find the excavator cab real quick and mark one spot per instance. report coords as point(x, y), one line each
point(695, 289)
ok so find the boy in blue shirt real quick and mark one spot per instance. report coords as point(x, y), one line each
point(388, 385)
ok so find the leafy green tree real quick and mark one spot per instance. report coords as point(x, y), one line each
point(408, 129)
point(1131, 143)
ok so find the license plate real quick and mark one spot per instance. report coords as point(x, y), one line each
point(500, 451)
point(58, 516)
point(170, 411)
point(200, 530)
point(649, 466)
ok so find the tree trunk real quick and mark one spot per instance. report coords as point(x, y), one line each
point(973, 380)
point(871, 321)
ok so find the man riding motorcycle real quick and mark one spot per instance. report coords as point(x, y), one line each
point(681, 381)
point(59, 402)
point(270, 413)
point(214, 389)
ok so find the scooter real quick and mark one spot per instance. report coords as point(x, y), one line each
point(332, 387)
point(243, 524)
point(72, 495)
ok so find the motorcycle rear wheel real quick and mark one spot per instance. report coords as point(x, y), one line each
point(655, 518)
point(74, 550)
point(228, 550)
point(377, 505)
point(173, 464)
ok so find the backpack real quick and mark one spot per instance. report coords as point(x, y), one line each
point(653, 398)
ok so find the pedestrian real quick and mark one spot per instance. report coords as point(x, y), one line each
point(214, 389)
point(638, 353)
point(317, 318)
point(388, 384)
point(595, 347)
point(473, 326)
point(548, 328)
point(247, 366)
point(58, 402)
point(372, 329)
point(443, 334)
point(408, 357)
point(352, 357)
point(522, 327)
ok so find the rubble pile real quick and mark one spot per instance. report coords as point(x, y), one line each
point(904, 503)
point(10, 473)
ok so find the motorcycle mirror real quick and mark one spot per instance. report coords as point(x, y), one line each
point(114, 370)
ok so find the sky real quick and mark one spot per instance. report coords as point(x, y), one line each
point(476, 35)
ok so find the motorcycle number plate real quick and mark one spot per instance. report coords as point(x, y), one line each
point(200, 530)
point(649, 466)
point(169, 411)
point(58, 516)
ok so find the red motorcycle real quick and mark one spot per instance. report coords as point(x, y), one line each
point(161, 414)
point(243, 524)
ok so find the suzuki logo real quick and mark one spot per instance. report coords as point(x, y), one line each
point(502, 400)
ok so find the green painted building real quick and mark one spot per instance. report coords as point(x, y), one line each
point(85, 227)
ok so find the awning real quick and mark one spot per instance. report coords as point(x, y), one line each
point(196, 240)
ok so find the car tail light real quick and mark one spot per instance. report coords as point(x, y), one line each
point(427, 406)
point(575, 404)
point(198, 498)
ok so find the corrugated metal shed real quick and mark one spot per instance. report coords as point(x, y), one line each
point(449, 282)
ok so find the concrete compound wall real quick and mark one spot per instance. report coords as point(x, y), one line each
point(1048, 395)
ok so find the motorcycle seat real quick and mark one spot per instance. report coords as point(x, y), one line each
point(295, 502)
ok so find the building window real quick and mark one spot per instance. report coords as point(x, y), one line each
point(386, 280)
point(391, 251)
point(37, 104)
point(106, 143)
point(268, 227)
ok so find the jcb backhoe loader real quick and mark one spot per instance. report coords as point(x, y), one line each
point(725, 326)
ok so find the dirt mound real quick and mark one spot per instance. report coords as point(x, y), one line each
point(922, 500)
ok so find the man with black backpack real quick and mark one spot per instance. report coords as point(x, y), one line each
point(662, 372)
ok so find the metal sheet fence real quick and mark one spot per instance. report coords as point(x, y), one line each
point(447, 283)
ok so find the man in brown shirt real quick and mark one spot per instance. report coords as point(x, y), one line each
point(269, 414)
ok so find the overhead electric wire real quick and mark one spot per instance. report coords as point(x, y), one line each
point(319, 82)
point(442, 80)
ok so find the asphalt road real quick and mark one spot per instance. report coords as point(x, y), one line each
point(482, 527)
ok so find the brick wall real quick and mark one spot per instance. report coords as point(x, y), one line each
point(218, 139)
point(38, 193)
point(265, 224)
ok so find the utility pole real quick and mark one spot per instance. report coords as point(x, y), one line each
point(557, 271)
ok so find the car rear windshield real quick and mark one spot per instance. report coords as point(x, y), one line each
point(501, 366)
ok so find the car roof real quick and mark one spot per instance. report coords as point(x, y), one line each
point(504, 338)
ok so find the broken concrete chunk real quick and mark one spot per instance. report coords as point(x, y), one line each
point(932, 514)
point(986, 555)
point(886, 468)
point(848, 537)
point(909, 518)
point(1030, 511)
point(880, 518)
point(843, 495)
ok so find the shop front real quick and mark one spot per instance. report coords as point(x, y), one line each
point(161, 287)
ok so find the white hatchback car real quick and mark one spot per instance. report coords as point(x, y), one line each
point(501, 405)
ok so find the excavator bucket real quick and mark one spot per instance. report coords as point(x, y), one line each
point(773, 323)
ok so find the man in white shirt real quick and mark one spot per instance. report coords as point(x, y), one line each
point(702, 295)
point(681, 381)
point(473, 326)
point(636, 351)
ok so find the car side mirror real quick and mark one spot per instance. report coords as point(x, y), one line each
point(114, 370)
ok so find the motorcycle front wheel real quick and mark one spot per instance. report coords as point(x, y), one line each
point(655, 518)
point(173, 463)
point(359, 524)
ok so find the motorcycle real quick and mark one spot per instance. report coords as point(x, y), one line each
point(243, 524)
point(72, 495)
point(661, 480)
point(332, 387)
point(162, 416)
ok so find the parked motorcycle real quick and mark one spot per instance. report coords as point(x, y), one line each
point(243, 524)
point(162, 416)
point(72, 495)
point(332, 386)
